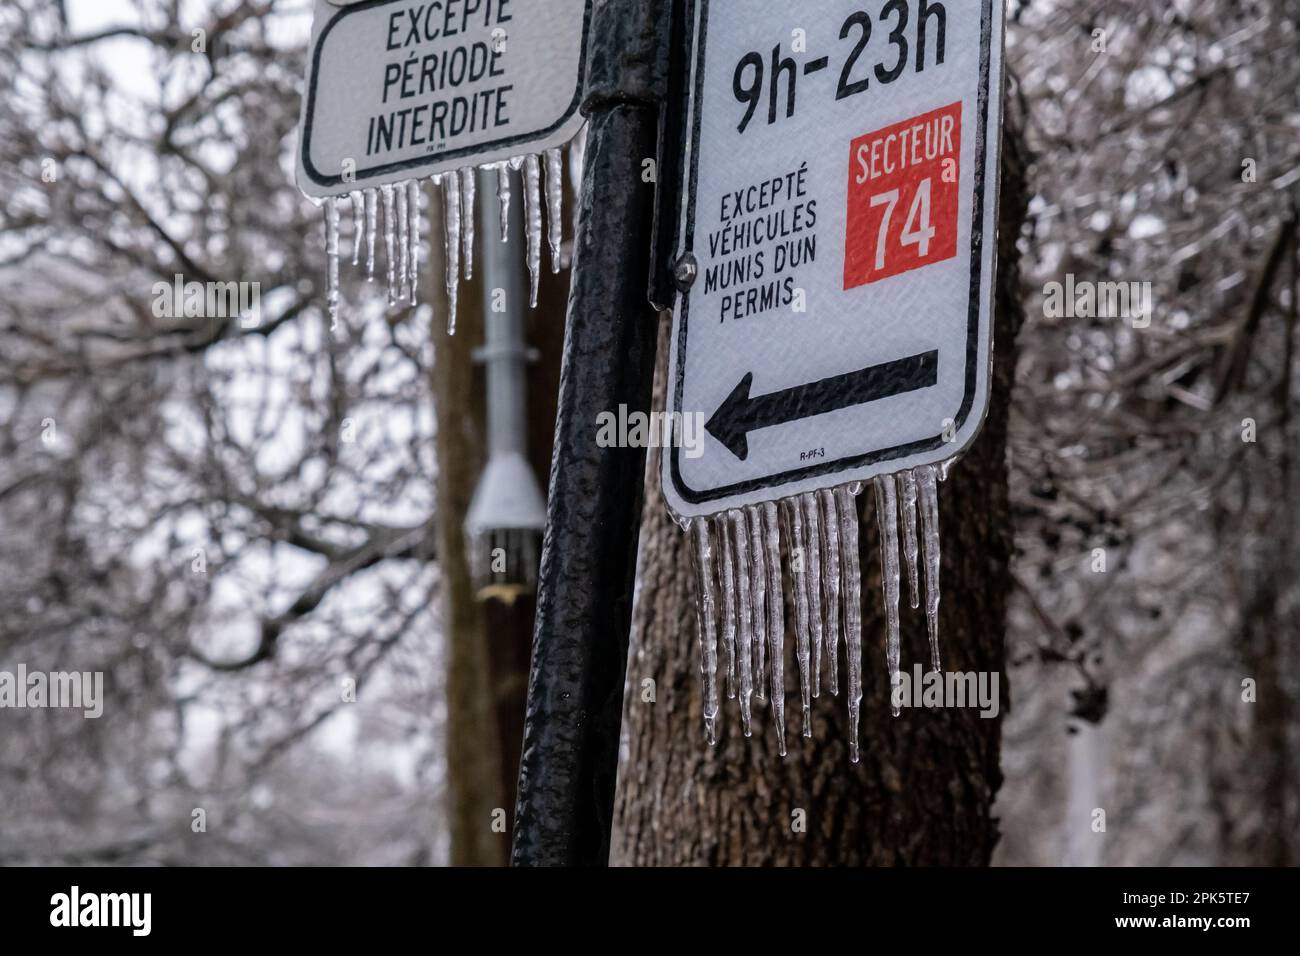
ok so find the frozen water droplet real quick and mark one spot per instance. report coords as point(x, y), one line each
point(852, 586)
point(706, 623)
point(887, 519)
point(533, 222)
point(451, 236)
point(414, 193)
point(929, 494)
point(727, 591)
point(372, 231)
point(775, 619)
point(831, 582)
point(910, 549)
point(468, 187)
point(799, 581)
point(390, 239)
point(745, 621)
point(555, 204)
point(758, 598)
point(332, 253)
point(503, 199)
point(358, 223)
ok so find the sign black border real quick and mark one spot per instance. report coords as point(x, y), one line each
point(973, 320)
point(309, 114)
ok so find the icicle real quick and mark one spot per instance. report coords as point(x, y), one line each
point(706, 622)
point(451, 235)
point(533, 223)
point(503, 199)
point(813, 558)
point(799, 575)
point(758, 598)
point(929, 491)
point(372, 230)
point(358, 223)
point(775, 619)
point(739, 550)
point(468, 187)
point(727, 594)
point(403, 240)
point(831, 585)
point(852, 581)
point(908, 505)
point(555, 204)
point(332, 251)
point(887, 519)
point(413, 208)
point(743, 570)
point(390, 238)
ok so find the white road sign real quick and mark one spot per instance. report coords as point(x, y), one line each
point(398, 89)
point(840, 219)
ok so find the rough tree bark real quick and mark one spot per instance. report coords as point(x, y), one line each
point(924, 790)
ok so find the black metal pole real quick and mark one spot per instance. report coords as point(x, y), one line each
point(575, 693)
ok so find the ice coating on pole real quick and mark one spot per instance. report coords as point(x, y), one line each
point(413, 210)
point(533, 224)
point(929, 495)
point(739, 551)
point(358, 223)
point(706, 618)
point(727, 593)
point(852, 586)
point(577, 159)
point(451, 236)
point(813, 564)
point(372, 231)
point(758, 597)
point(799, 571)
point(908, 504)
point(555, 204)
point(775, 619)
point(831, 584)
point(403, 240)
point(332, 252)
point(887, 519)
point(503, 199)
point(390, 239)
point(468, 189)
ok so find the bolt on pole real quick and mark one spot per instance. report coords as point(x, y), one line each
point(575, 697)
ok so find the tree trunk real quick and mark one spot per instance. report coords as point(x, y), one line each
point(924, 789)
point(487, 644)
point(473, 755)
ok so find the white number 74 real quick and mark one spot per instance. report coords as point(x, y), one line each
point(915, 233)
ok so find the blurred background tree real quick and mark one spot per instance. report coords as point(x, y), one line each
point(237, 524)
point(234, 523)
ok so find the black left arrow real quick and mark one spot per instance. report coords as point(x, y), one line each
point(739, 414)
